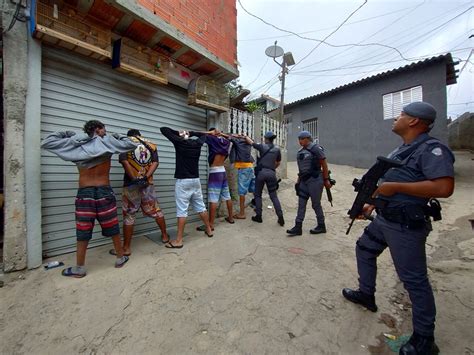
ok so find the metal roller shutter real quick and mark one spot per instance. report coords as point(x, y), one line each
point(74, 90)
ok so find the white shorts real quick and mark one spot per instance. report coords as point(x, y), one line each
point(188, 191)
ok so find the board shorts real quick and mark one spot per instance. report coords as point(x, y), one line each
point(96, 202)
point(134, 197)
point(217, 185)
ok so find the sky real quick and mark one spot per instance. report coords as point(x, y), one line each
point(402, 32)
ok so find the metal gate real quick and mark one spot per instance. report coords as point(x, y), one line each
point(74, 90)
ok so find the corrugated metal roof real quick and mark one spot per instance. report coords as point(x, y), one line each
point(447, 58)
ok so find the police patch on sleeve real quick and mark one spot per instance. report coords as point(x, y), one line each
point(437, 151)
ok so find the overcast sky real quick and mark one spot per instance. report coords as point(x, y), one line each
point(418, 29)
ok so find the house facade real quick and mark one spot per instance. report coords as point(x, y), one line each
point(131, 64)
point(353, 122)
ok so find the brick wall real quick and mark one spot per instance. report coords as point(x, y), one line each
point(211, 23)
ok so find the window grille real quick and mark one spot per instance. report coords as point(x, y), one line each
point(393, 102)
point(312, 127)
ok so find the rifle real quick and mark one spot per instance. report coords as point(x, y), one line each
point(328, 191)
point(366, 186)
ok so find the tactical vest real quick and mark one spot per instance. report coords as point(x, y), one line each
point(307, 161)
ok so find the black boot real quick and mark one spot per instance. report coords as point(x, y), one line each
point(296, 230)
point(321, 228)
point(281, 221)
point(257, 218)
point(361, 298)
point(419, 345)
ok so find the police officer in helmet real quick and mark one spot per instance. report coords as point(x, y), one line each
point(403, 221)
point(313, 176)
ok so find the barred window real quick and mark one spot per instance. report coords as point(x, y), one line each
point(312, 127)
point(393, 103)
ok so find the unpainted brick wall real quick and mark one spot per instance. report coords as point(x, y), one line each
point(211, 23)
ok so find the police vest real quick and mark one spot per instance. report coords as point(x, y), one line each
point(307, 160)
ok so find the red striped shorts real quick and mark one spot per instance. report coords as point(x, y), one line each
point(96, 202)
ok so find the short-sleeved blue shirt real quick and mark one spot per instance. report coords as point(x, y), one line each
point(431, 160)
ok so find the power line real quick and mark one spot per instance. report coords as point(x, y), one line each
point(398, 34)
point(327, 28)
point(323, 41)
point(258, 75)
point(330, 34)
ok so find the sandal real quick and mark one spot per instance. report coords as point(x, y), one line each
point(121, 261)
point(172, 246)
point(228, 220)
point(69, 273)
point(113, 252)
point(202, 228)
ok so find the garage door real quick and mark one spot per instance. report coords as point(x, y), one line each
point(74, 90)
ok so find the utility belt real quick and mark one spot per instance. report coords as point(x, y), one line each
point(305, 176)
point(412, 216)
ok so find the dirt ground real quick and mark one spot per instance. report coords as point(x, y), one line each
point(248, 290)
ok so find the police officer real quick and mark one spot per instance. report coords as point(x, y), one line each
point(310, 183)
point(402, 223)
point(269, 159)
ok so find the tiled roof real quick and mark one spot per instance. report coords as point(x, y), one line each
point(447, 58)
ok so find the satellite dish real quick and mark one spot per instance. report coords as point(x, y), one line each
point(274, 51)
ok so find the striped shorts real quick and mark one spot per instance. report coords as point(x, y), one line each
point(96, 202)
point(217, 185)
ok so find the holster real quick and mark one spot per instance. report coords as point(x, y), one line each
point(411, 216)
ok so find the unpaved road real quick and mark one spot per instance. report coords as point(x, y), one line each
point(248, 290)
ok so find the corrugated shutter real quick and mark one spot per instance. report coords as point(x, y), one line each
point(74, 90)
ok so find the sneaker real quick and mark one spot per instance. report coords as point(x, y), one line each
point(419, 345)
point(321, 228)
point(357, 296)
point(257, 218)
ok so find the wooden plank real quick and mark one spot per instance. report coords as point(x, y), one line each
point(74, 41)
point(143, 73)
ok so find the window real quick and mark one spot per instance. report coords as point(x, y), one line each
point(394, 102)
point(312, 127)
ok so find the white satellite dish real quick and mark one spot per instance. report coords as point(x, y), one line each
point(274, 51)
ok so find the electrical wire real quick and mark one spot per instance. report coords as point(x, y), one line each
point(327, 28)
point(398, 34)
point(258, 75)
point(323, 41)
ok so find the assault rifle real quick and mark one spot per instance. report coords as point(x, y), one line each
point(366, 186)
point(328, 191)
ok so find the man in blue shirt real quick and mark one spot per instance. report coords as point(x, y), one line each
point(403, 223)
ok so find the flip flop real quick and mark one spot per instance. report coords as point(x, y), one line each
point(113, 252)
point(202, 228)
point(236, 216)
point(209, 235)
point(165, 241)
point(172, 246)
point(122, 263)
point(69, 273)
point(227, 219)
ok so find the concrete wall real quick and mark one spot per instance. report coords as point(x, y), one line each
point(211, 23)
point(350, 122)
point(15, 49)
point(461, 132)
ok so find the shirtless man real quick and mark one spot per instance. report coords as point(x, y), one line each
point(218, 187)
point(92, 153)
